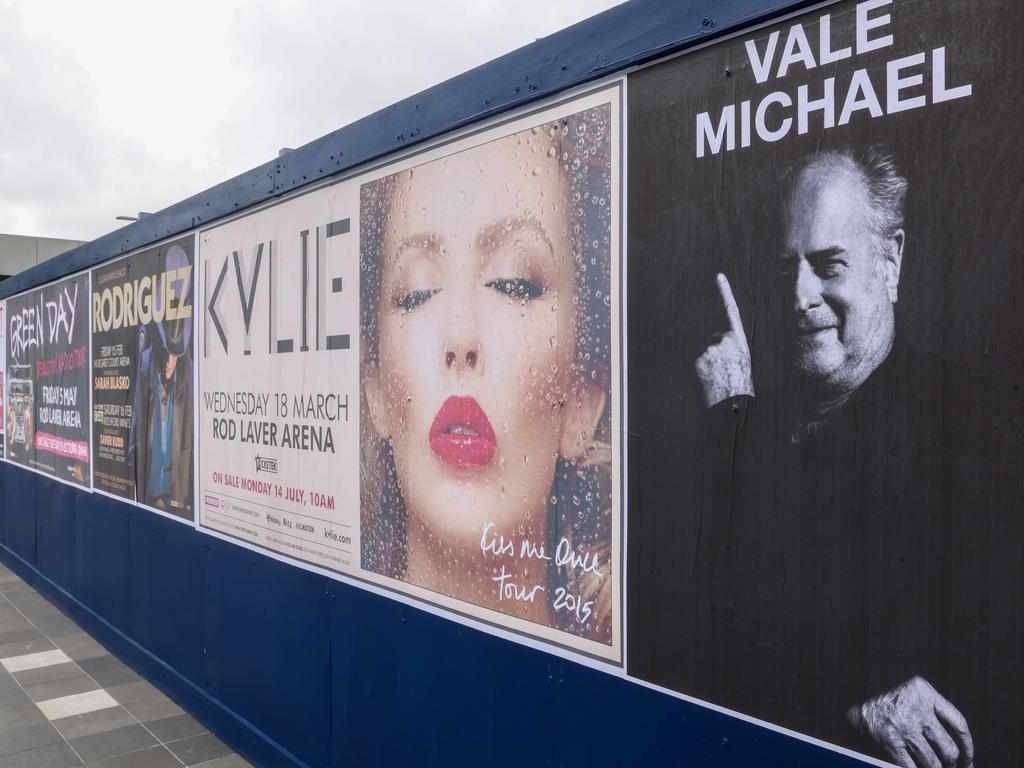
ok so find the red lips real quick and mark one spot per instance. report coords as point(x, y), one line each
point(461, 435)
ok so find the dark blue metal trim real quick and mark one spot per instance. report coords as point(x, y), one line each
point(624, 36)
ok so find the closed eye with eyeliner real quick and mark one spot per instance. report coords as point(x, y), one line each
point(519, 288)
point(516, 261)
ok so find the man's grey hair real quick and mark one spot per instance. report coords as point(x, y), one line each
point(885, 186)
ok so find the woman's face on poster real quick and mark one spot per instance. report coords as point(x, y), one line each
point(474, 386)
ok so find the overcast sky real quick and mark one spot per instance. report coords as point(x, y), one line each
point(115, 106)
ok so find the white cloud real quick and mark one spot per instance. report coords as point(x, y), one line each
point(115, 106)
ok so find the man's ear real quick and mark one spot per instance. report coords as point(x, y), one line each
point(580, 414)
point(375, 403)
point(893, 263)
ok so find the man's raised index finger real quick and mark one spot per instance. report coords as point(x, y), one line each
point(731, 310)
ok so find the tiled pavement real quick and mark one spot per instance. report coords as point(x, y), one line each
point(65, 701)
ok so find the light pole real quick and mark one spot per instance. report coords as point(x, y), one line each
point(142, 215)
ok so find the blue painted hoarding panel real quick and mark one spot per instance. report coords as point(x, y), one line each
point(298, 669)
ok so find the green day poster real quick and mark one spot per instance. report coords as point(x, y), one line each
point(142, 364)
point(826, 405)
point(412, 377)
point(47, 380)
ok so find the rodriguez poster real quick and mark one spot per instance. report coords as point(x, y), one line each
point(142, 360)
point(412, 377)
point(830, 361)
point(47, 386)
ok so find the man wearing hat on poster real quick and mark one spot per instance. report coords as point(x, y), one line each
point(162, 417)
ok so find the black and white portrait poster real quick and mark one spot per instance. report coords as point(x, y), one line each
point(824, 397)
point(142, 326)
point(47, 379)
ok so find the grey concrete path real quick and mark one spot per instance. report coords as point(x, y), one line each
point(65, 701)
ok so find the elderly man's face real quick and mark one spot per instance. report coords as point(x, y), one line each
point(842, 278)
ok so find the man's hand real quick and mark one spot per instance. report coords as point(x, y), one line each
point(916, 727)
point(724, 368)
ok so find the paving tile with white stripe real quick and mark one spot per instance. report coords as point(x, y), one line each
point(66, 701)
